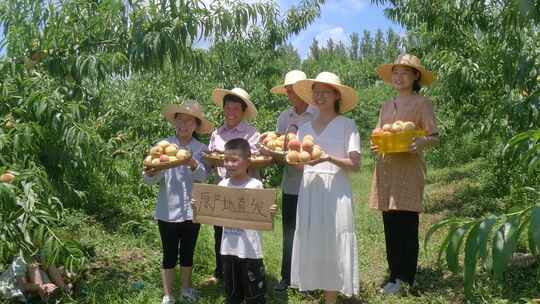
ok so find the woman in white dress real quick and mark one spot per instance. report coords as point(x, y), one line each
point(325, 248)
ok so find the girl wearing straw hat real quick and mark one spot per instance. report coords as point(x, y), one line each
point(325, 249)
point(398, 180)
point(289, 120)
point(237, 108)
point(173, 209)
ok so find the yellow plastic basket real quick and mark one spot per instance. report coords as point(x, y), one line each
point(396, 142)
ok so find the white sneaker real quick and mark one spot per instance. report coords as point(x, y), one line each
point(167, 300)
point(392, 288)
point(190, 295)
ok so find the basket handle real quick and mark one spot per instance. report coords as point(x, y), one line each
point(286, 142)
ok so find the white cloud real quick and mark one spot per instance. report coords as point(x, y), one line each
point(335, 33)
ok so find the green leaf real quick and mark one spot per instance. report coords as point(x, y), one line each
point(504, 243)
point(454, 245)
point(534, 230)
point(476, 243)
point(436, 227)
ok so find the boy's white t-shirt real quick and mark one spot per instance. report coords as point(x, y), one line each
point(243, 243)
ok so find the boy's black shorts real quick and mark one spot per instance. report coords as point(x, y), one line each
point(244, 280)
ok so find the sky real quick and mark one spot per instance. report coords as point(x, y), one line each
point(338, 20)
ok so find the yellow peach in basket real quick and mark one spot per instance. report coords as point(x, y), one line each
point(171, 150)
point(316, 153)
point(294, 145)
point(148, 160)
point(164, 158)
point(409, 126)
point(182, 154)
point(377, 131)
point(397, 126)
point(156, 151)
point(307, 145)
point(308, 137)
point(163, 144)
point(172, 158)
point(304, 156)
point(271, 135)
point(155, 161)
point(293, 156)
point(266, 141)
point(387, 127)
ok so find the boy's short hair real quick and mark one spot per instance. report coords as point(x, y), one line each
point(241, 145)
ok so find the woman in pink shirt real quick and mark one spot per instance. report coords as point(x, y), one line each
point(237, 108)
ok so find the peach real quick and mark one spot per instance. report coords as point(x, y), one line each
point(266, 141)
point(307, 145)
point(387, 127)
point(304, 156)
point(172, 158)
point(148, 160)
point(164, 158)
point(271, 135)
point(293, 156)
point(156, 151)
point(377, 131)
point(163, 144)
point(397, 126)
point(409, 126)
point(294, 145)
point(155, 161)
point(183, 154)
point(316, 153)
point(171, 150)
point(7, 178)
point(308, 137)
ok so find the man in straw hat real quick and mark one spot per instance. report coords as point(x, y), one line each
point(237, 108)
point(325, 254)
point(398, 180)
point(289, 122)
point(173, 208)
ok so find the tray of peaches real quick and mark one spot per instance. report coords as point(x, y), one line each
point(275, 144)
point(165, 155)
point(303, 152)
point(396, 137)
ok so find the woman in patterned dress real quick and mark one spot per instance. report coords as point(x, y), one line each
point(398, 180)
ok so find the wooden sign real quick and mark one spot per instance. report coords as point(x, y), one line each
point(233, 207)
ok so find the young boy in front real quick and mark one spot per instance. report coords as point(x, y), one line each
point(243, 267)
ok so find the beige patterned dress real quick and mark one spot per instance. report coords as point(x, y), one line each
point(398, 180)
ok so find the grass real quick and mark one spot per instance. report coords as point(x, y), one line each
point(125, 268)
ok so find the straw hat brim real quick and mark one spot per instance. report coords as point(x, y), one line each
point(280, 89)
point(169, 111)
point(385, 72)
point(219, 94)
point(348, 99)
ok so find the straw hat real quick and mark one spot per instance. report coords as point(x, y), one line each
point(219, 94)
point(291, 78)
point(348, 99)
point(408, 60)
point(189, 107)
